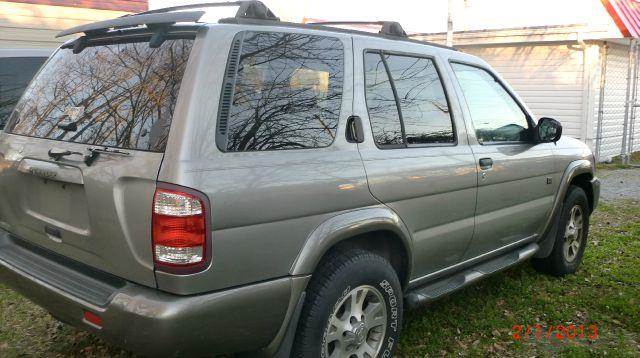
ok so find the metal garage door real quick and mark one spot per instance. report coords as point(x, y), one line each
point(615, 93)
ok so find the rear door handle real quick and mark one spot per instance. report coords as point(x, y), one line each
point(486, 163)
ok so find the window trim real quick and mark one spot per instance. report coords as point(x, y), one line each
point(406, 145)
point(510, 93)
point(223, 138)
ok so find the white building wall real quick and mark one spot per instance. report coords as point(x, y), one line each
point(549, 79)
point(615, 92)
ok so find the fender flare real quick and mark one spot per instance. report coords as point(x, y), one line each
point(548, 234)
point(347, 225)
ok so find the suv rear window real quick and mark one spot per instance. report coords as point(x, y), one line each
point(281, 91)
point(117, 95)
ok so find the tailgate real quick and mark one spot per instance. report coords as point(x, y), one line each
point(80, 159)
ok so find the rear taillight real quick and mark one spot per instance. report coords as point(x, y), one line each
point(181, 235)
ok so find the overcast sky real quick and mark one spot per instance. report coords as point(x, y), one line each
point(431, 15)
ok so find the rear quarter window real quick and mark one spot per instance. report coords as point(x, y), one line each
point(282, 91)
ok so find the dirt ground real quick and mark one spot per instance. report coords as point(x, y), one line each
point(620, 184)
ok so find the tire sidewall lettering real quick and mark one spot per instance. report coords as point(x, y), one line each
point(392, 301)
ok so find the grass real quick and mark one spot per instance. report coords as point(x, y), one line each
point(477, 321)
point(616, 163)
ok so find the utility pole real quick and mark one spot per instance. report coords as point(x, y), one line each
point(450, 24)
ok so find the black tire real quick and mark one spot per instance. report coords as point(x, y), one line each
point(340, 273)
point(559, 262)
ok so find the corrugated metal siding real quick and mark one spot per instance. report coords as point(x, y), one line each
point(615, 91)
point(635, 120)
point(548, 78)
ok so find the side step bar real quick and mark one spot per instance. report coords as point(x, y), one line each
point(438, 288)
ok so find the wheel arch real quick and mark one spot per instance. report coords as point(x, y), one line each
point(578, 172)
point(378, 229)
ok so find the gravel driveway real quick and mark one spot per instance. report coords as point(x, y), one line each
point(620, 184)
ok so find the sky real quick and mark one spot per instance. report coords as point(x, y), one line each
point(431, 15)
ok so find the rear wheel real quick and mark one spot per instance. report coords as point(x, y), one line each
point(571, 238)
point(353, 308)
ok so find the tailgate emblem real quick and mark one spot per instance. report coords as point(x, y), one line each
point(43, 173)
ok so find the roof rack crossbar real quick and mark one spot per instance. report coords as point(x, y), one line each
point(390, 28)
point(249, 9)
point(134, 20)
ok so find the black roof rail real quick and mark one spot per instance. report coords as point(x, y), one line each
point(390, 28)
point(248, 9)
point(154, 19)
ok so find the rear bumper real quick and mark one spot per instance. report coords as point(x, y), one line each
point(143, 319)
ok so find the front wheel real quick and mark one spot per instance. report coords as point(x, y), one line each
point(571, 238)
point(353, 308)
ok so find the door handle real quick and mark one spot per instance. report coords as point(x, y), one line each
point(486, 163)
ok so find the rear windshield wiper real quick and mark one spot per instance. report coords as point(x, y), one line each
point(57, 154)
point(68, 127)
point(95, 153)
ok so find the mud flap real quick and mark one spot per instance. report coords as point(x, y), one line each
point(546, 244)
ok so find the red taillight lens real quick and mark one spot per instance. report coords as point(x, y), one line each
point(180, 233)
point(93, 318)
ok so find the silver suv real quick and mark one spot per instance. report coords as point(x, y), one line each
point(251, 185)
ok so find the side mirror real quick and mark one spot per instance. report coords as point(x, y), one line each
point(548, 130)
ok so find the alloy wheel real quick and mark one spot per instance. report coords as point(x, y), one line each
point(357, 326)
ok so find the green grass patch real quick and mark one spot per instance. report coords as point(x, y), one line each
point(604, 292)
point(616, 163)
point(476, 321)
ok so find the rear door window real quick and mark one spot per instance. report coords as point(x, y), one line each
point(383, 109)
point(116, 95)
point(15, 74)
point(406, 101)
point(282, 91)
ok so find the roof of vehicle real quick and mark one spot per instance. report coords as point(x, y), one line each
point(249, 12)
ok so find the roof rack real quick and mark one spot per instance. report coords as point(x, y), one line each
point(252, 9)
point(101, 27)
point(390, 28)
point(248, 9)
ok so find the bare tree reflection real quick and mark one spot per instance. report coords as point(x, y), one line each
point(425, 111)
point(288, 92)
point(120, 95)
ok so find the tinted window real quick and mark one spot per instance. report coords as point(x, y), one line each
point(119, 95)
point(383, 110)
point(286, 95)
point(495, 115)
point(15, 74)
point(425, 111)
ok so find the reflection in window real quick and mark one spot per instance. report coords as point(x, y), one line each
point(15, 74)
point(287, 94)
point(425, 112)
point(383, 111)
point(495, 115)
point(118, 95)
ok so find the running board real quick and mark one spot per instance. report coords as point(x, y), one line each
point(438, 288)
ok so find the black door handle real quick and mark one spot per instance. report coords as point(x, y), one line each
point(355, 132)
point(486, 163)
